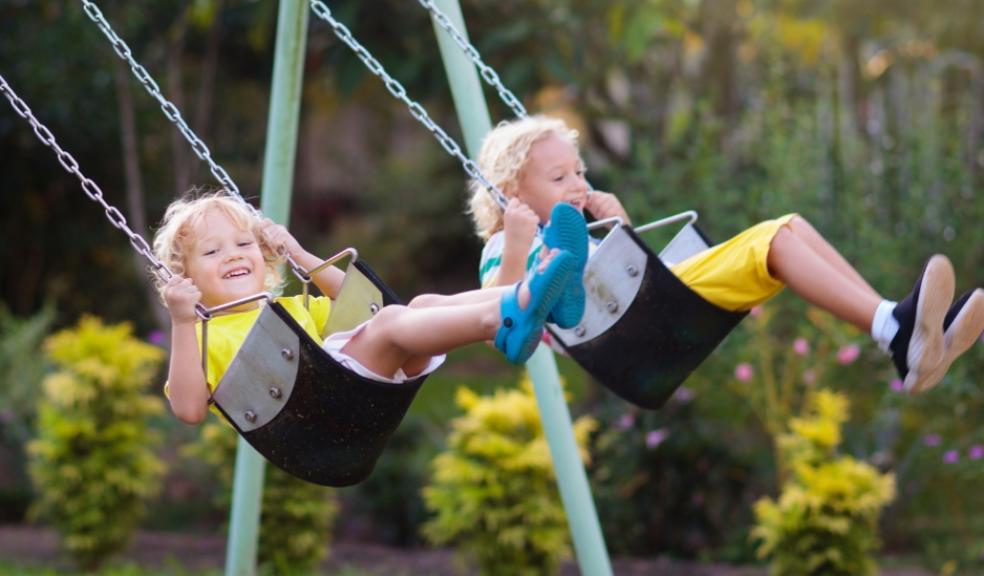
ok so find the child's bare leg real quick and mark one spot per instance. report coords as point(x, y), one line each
point(806, 232)
point(399, 334)
point(407, 337)
point(469, 297)
point(821, 282)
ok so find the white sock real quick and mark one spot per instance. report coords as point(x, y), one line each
point(884, 326)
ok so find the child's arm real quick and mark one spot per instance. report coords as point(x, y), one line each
point(605, 205)
point(187, 390)
point(519, 229)
point(329, 280)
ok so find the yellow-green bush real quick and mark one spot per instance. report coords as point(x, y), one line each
point(826, 518)
point(493, 491)
point(93, 463)
point(297, 516)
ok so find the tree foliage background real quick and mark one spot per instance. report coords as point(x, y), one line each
point(866, 117)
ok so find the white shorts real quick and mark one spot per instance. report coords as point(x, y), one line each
point(335, 342)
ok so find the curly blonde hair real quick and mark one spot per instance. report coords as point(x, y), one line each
point(174, 238)
point(504, 153)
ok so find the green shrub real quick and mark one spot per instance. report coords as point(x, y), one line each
point(21, 372)
point(493, 491)
point(297, 516)
point(825, 520)
point(391, 497)
point(670, 481)
point(93, 463)
point(21, 369)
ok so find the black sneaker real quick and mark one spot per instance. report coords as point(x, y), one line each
point(962, 327)
point(917, 349)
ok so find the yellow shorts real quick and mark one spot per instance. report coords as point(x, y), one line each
point(734, 275)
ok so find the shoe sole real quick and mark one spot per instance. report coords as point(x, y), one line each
point(964, 332)
point(926, 346)
point(571, 235)
point(542, 300)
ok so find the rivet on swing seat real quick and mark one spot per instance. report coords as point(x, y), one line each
point(642, 335)
point(324, 424)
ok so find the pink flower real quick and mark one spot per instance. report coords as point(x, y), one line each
point(626, 421)
point(848, 354)
point(684, 395)
point(809, 377)
point(932, 440)
point(801, 347)
point(897, 385)
point(755, 311)
point(744, 372)
point(976, 452)
point(951, 457)
point(656, 437)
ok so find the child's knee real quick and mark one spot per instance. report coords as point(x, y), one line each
point(424, 301)
point(386, 318)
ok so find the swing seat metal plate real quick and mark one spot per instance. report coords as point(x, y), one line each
point(261, 377)
point(612, 278)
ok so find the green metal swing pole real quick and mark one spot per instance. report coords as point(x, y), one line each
point(589, 543)
point(278, 180)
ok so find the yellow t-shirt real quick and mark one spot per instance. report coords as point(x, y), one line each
point(227, 333)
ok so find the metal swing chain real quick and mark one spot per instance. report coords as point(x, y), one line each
point(174, 115)
point(91, 189)
point(399, 92)
point(490, 76)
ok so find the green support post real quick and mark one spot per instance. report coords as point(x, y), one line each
point(589, 543)
point(278, 180)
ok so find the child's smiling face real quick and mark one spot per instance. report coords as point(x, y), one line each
point(553, 173)
point(224, 260)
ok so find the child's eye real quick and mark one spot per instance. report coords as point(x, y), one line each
point(245, 243)
point(210, 252)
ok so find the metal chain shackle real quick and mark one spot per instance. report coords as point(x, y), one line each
point(90, 188)
point(174, 115)
point(400, 93)
point(490, 76)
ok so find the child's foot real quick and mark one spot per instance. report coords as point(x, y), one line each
point(962, 327)
point(917, 349)
point(567, 231)
point(525, 309)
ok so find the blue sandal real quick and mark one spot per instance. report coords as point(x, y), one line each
point(522, 329)
point(567, 231)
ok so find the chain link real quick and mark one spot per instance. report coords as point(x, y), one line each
point(174, 115)
point(400, 93)
point(170, 110)
point(490, 76)
point(91, 189)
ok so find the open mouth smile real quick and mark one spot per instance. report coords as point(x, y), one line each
point(237, 273)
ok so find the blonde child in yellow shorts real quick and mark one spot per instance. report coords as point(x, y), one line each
point(535, 161)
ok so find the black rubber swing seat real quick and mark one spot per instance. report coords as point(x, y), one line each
point(644, 331)
point(302, 410)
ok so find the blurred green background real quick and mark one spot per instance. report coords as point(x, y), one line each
point(865, 117)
